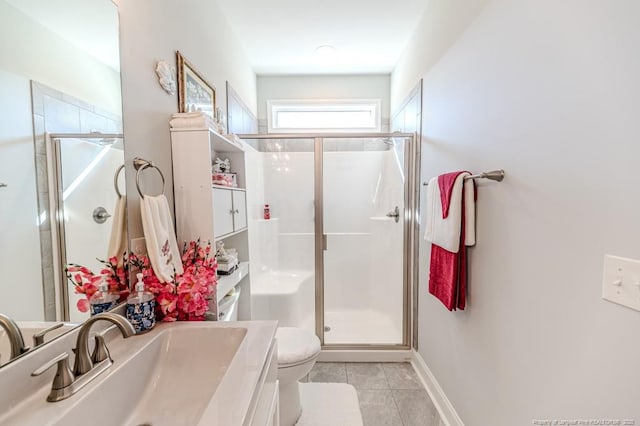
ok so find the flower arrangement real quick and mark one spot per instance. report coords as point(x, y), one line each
point(187, 297)
point(86, 282)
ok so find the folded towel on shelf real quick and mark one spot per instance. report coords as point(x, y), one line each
point(162, 246)
point(450, 216)
point(182, 120)
point(187, 114)
point(118, 238)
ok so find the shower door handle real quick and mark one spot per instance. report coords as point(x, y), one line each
point(324, 242)
point(395, 214)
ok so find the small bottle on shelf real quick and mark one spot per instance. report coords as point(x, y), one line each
point(267, 213)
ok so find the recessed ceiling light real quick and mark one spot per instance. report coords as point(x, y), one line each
point(325, 50)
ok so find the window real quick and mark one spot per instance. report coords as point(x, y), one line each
point(324, 116)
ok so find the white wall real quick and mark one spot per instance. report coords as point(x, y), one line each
point(548, 91)
point(440, 26)
point(33, 51)
point(152, 30)
point(20, 265)
point(323, 87)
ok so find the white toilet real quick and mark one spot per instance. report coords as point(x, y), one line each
point(297, 352)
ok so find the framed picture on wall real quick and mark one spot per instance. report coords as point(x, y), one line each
point(194, 92)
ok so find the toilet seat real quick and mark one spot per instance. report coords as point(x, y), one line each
point(296, 346)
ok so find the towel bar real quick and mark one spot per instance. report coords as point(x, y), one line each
point(496, 175)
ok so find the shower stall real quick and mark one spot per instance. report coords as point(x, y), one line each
point(335, 255)
point(84, 182)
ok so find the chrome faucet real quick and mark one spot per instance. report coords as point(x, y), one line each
point(16, 342)
point(86, 367)
point(83, 363)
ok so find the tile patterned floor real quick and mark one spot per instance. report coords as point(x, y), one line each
point(390, 394)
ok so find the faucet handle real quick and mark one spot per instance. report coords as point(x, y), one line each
point(38, 338)
point(100, 350)
point(64, 377)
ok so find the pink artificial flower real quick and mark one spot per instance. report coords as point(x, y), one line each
point(167, 302)
point(83, 305)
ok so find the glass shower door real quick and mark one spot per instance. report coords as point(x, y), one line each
point(281, 172)
point(364, 225)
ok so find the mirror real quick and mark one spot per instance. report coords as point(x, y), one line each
point(61, 149)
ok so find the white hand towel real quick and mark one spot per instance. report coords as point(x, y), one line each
point(162, 246)
point(118, 239)
point(445, 232)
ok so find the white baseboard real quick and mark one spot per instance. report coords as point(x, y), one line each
point(443, 405)
point(365, 356)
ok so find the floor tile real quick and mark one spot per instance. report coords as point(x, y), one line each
point(378, 408)
point(401, 375)
point(328, 372)
point(415, 407)
point(366, 376)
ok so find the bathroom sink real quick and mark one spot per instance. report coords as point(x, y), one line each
point(177, 374)
point(170, 381)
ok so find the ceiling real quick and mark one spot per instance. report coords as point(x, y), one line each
point(281, 36)
point(92, 27)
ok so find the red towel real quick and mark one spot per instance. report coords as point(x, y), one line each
point(448, 271)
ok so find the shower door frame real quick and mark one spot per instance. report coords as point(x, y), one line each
point(410, 231)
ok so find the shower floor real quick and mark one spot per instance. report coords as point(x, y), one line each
point(361, 327)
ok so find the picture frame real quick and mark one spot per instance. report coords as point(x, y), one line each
point(195, 93)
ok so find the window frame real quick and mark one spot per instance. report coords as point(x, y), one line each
point(323, 105)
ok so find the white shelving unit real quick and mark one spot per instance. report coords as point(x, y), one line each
point(212, 212)
point(227, 282)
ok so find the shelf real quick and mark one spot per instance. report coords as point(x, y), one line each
point(231, 234)
point(227, 282)
point(221, 144)
point(231, 188)
point(218, 142)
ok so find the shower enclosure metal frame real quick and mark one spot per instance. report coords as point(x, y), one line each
point(57, 210)
point(410, 229)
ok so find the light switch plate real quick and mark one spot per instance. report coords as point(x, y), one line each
point(621, 281)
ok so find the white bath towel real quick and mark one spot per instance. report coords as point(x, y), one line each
point(160, 237)
point(119, 238)
point(445, 232)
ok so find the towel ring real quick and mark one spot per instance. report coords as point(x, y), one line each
point(115, 180)
point(141, 164)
